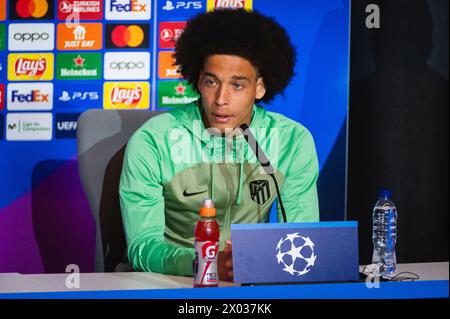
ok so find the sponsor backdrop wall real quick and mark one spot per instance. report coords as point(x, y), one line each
point(59, 58)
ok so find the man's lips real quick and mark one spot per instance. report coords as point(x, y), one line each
point(222, 118)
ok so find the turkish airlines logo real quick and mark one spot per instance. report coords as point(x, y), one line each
point(126, 95)
point(127, 36)
point(127, 66)
point(31, 9)
point(128, 9)
point(169, 32)
point(229, 4)
point(80, 9)
point(30, 66)
point(87, 36)
point(30, 96)
point(31, 37)
point(2, 96)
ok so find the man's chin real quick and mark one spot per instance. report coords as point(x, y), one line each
point(222, 129)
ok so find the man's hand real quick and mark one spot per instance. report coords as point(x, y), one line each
point(225, 263)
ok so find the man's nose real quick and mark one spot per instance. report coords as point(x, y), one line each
point(221, 96)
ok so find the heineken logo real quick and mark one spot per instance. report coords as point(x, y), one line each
point(174, 93)
point(78, 66)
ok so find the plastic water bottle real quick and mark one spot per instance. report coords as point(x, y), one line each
point(384, 234)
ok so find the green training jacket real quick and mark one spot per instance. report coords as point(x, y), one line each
point(172, 163)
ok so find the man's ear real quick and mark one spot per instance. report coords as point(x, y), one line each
point(260, 88)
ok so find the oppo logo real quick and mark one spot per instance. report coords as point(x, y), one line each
point(31, 36)
point(126, 65)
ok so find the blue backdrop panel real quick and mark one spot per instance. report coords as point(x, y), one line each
point(45, 221)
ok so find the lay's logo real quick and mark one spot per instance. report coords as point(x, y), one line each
point(229, 4)
point(126, 95)
point(30, 67)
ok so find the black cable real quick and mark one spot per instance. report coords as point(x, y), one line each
point(397, 276)
point(283, 212)
point(263, 161)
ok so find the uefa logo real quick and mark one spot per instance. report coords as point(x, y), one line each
point(296, 254)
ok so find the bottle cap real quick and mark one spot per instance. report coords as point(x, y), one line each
point(207, 209)
point(385, 194)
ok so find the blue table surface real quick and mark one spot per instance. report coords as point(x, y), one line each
point(359, 290)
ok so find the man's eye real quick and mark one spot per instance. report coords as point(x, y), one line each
point(210, 82)
point(238, 86)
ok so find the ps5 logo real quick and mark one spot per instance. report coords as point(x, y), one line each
point(66, 96)
point(169, 6)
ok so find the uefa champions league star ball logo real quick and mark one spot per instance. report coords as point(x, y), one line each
point(296, 254)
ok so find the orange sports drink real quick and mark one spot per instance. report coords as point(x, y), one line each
point(206, 247)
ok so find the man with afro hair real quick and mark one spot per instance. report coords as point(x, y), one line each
point(234, 59)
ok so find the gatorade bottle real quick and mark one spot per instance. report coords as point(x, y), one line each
point(206, 247)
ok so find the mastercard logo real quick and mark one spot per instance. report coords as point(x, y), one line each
point(31, 8)
point(127, 36)
point(131, 36)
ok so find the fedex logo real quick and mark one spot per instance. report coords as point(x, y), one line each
point(30, 96)
point(128, 9)
point(33, 96)
point(132, 6)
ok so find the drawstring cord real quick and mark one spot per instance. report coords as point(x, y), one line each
point(241, 179)
point(212, 181)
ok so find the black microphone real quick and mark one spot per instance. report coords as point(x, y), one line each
point(263, 160)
